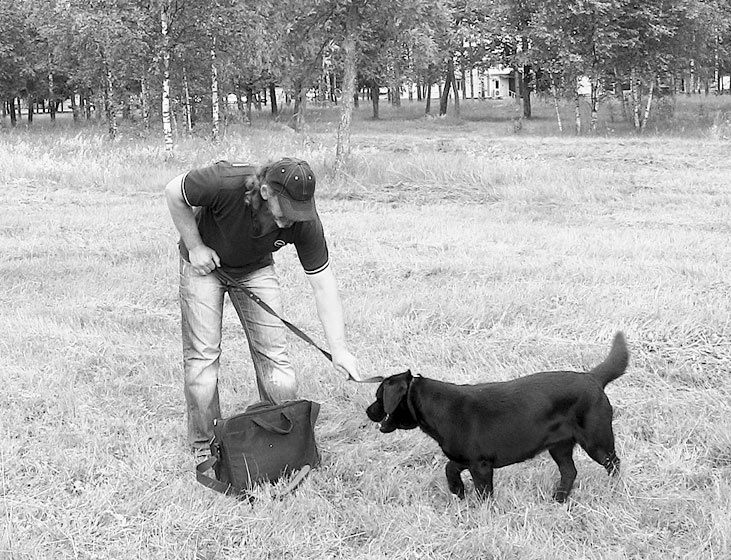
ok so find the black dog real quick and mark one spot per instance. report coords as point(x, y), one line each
point(490, 425)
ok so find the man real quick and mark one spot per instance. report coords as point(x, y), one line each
point(234, 216)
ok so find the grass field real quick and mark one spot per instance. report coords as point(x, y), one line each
point(463, 252)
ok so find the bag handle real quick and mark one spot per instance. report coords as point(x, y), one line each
point(241, 493)
point(275, 429)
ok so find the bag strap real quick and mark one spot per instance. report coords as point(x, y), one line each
point(206, 480)
point(242, 493)
point(230, 280)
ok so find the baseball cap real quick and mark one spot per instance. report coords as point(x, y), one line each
point(294, 182)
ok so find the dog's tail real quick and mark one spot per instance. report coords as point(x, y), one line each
point(615, 364)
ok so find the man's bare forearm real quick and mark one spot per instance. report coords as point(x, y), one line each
point(182, 214)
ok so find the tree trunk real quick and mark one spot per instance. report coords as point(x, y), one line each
point(249, 99)
point(648, 105)
point(554, 94)
point(375, 98)
point(634, 86)
point(396, 96)
point(74, 106)
point(51, 95)
point(396, 85)
point(342, 149)
point(145, 99)
point(518, 105)
point(525, 91)
point(109, 105)
point(187, 103)
point(296, 109)
point(427, 109)
point(623, 98)
point(594, 104)
point(215, 108)
point(300, 107)
point(577, 109)
point(273, 99)
point(165, 109)
point(457, 110)
point(13, 114)
point(449, 82)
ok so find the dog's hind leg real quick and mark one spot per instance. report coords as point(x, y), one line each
point(453, 471)
point(562, 453)
point(482, 477)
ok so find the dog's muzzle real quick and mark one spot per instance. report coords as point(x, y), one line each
point(385, 425)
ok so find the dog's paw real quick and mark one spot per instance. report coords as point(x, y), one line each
point(456, 488)
point(561, 496)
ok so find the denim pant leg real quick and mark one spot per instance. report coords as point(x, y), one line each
point(201, 305)
point(275, 376)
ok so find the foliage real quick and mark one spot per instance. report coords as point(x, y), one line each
point(99, 45)
point(15, 39)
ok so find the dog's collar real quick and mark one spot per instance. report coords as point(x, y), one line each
point(411, 408)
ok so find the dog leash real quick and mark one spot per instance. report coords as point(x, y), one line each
point(228, 279)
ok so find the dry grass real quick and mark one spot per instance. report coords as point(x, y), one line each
point(462, 252)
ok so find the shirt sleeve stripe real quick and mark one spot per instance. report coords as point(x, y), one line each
point(323, 267)
point(182, 189)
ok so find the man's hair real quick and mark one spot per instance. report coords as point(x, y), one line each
point(253, 183)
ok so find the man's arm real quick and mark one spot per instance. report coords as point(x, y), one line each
point(330, 311)
point(202, 258)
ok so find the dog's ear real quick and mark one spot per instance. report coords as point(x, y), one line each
point(395, 390)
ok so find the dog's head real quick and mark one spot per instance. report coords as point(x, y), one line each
point(390, 407)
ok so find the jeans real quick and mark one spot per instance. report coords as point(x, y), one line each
point(201, 304)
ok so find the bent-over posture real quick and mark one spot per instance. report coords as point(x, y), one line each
point(234, 216)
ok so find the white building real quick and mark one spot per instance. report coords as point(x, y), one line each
point(495, 83)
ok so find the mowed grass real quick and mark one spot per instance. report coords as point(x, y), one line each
point(462, 251)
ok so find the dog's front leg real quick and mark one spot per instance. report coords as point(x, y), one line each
point(562, 454)
point(482, 477)
point(453, 471)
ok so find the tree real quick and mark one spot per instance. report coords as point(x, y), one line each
point(573, 40)
point(351, 18)
point(300, 33)
point(13, 51)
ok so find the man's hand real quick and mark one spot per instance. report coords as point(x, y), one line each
point(203, 259)
point(346, 363)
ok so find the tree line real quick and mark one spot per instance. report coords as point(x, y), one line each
point(177, 62)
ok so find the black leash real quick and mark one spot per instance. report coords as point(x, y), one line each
point(231, 280)
point(227, 278)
